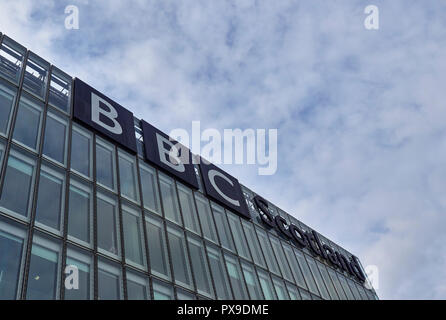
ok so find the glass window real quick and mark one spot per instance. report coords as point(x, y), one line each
point(337, 284)
point(81, 151)
point(362, 292)
point(28, 122)
point(184, 295)
point(156, 242)
point(219, 273)
point(60, 88)
point(43, 277)
point(239, 237)
point(188, 209)
point(253, 244)
point(268, 251)
point(2, 151)
point(80, 212)
point(318, 278)
point(133, 237)
point(355, 291)
point(149, 186)
point(169, 198)
point(12, 244)
point(83, 261)
point(252, 282)
point(109, 281)
point(223, 227)
point(7, 99)
point(18, 184)
point(36, 75)
point(200, 267)
point(55, 141)
point(105, 164)
point(293, 292)
point(207, 223)
point(162, 291)
point(345, 286)
point(180, 260)
point(11, 59)
point(127, 176)
point(281, 292)
point(283, 263)
point(306, 272)
point(266, 284)
point(236, 278)
point(295, 269)
point(137, 287)
point(51, 198)
point(108, 224)
point(305, 295)
point(327, 280)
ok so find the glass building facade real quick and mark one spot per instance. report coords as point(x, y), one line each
point(69, 197)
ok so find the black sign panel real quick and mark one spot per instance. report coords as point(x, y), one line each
point(223, 188)
point(104, 115)
point(168, 154)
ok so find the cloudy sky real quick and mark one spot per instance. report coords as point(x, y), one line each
point(360, 113)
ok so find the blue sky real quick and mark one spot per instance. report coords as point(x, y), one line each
point(360, 113)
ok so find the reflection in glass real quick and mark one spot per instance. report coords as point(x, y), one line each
point(253, 244)
point(28, 121)
point(188, 209)
point(80, 212)
point(219, 274)
point(137, 287)
point(127, 177)
point(108, 231)
point(223, 227)
point(200, 267)
point(266, 285)
point(180, 260)
point(105, 164)
point(55, 138)
point(207, 223)
point(162, 291)
point(156, 242)
point(236, 279)
point(133, 236)
point(169, 198)
point(109, 281)
point(252, 282)
point(81, 151)
point(149, 187)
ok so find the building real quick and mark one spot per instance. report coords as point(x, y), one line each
point(73, 196)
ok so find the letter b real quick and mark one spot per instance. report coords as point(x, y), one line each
point(112, 114)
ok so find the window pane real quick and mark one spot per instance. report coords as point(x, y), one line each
point(109, 281)
point(60, 90)
point(2, 151)
point(293, 292)
point(345, 286)
point(105, 164)
point(318, 278)
point(36, 75)
point(281, 292)
point(137, 287)
point(306, 272)
point(355, 291)
point(219, 274)
point(127, 177)
point(12, 240)
point(223, 227)
point(162, 291)
point(28, 122)
point(188, 209)
point(11, 59)
point(80, 210)
point(207, 223)
point(283, 263)
point(295, 269)
point(180, 260)
point(149, 188)
point(267, 285)
point(169, 198)
point(327, 280)
point(81, 151)
point(156, 242)
point(268, 251)
point(43, 270)
point(50, 198)
point(200, 267)
point(252, 282)
point(133, 236)
point(18, 184)
point(84, 264)
point(239, 237)
point(337, 284)
point(183, 295)
point(305, 295)
point(235, 276)
point(253, 243)
point(108, 225)
point(55, 138)
point(7, 99)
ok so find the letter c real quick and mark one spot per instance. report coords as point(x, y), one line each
point(214, 173)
